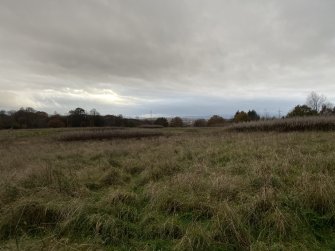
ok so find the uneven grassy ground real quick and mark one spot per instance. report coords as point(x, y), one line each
point(197, 189)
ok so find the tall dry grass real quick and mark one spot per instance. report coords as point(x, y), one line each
point(317, 123)
point(195, 190)
point(98, 134)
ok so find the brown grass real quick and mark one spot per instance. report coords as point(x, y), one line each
point(108, 134)
point(318, 123)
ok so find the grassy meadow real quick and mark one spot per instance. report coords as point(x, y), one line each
point(166, 189)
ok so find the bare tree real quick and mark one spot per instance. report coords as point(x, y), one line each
point(316, 101)
point(94, 112)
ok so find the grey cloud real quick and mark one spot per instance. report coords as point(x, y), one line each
point(130, 39)
point(163, 51)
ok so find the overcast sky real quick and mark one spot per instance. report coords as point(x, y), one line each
point(174, 57)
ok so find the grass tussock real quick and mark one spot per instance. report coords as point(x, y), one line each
point(28, 217)
point(317, 192)
point(286, 125)
point(195, 238)
point(230, 230)
point(195, 190)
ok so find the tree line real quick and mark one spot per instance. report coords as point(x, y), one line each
point(26, 118)
point(30, 118)
point(316, 105)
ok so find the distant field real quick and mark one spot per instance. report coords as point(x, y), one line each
point(167, 189)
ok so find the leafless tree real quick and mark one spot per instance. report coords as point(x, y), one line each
point(316, 101)
point(94, 112)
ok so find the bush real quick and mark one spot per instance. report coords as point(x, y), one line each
point(301, 110)
point(176, 122)
point(162, 122)
point(200, 123)
point(216, 120)
point(56, 122)
point(241, 117)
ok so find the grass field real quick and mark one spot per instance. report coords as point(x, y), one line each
point(179, 189)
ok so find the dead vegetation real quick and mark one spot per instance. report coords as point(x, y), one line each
point(317, 123)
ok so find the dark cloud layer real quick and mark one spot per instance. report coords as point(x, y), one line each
point(185, 57)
